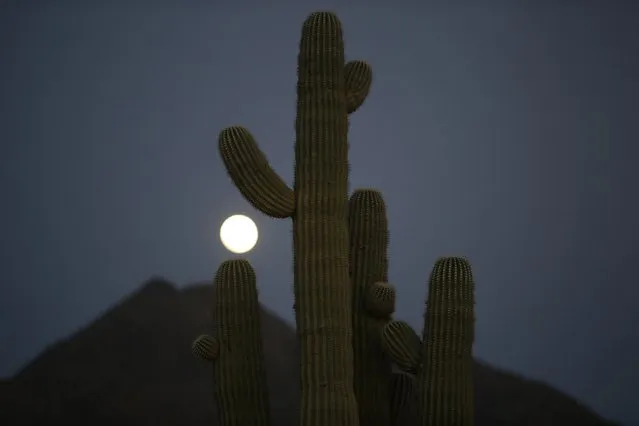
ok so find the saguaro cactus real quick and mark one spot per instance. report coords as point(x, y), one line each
point(446, 393)
point(443, 360)
point(373, 304)
point(236, 350)
point(327, 91)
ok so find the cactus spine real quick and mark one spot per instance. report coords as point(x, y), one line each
point(373, 303)
point(327, 91)
point(236, 350)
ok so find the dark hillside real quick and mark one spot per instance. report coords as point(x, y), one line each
point(133, 366)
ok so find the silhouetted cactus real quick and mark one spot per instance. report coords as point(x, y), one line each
point(343, 302)
point(327, 90)
point(444, 367)
point(373, 304)
point(236, 351)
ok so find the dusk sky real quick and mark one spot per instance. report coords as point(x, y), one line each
point(504, 131)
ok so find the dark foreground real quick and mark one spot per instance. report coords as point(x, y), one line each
point(133, 366)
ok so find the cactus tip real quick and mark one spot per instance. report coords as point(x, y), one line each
point(205, 348)
point(380, 300)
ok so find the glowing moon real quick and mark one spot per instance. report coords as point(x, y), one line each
point(238, 234)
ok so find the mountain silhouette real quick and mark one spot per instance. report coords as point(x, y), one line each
point(133, 366)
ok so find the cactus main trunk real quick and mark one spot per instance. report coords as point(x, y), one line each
point(320, 228)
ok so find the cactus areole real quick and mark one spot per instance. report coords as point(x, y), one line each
point(328, 89)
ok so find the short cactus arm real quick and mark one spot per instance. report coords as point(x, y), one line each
point(206, 348)
point(358, 77)
point(252, 175)
point(402, 345)
point(379, 300)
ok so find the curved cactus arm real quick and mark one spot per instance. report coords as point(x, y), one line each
point(402, 345)
point(206, 348)
point(252, 175)
point(358, 76)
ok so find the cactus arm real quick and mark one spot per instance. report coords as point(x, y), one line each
point(252, 175)
point(372, 304)
point(402, 345)
point(379, 300)
point(379, 304)
point(206, 348)
point(248, 167)
point(240, 374)
point(358, 77)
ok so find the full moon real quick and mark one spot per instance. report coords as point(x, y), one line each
point(238, 234)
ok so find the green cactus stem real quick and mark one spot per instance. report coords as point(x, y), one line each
point(372, 300)
point(402, 345)
point(446, 393)
point(327, 91)
point(358, 79)
point(240, 375)
point(443, 359)
point(206, 348)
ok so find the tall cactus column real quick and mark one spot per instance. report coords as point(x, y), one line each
point(236, 350)
point(445, 380)
point(320, 228)
point(372, 306)
point(327, 91)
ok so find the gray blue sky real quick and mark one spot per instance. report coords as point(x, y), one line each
point(503, 131)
